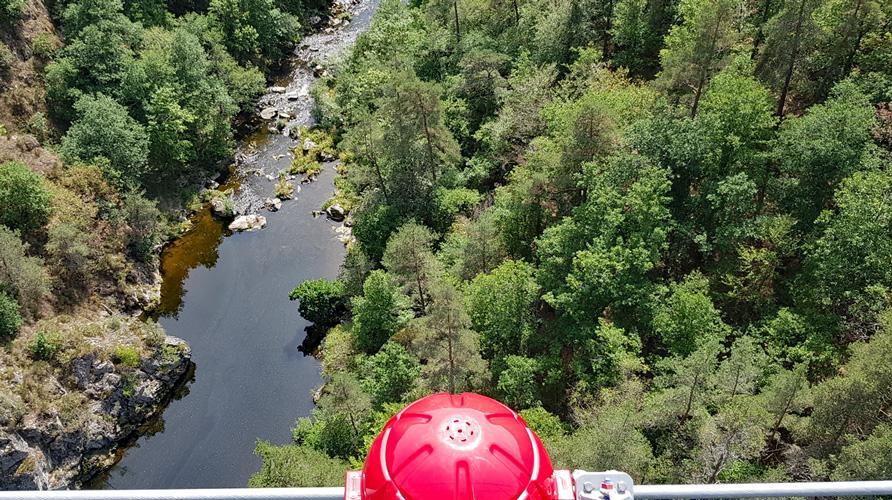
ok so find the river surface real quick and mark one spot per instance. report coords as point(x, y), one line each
point(227, 295)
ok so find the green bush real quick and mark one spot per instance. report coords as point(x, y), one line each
point(321, 301)
point(10, 10)
point(43, 46)
point(127, 356)
point(22, 275)
point(39, 127)
point(10, 319)
point(295, 466)
point(44, 346)
point(145, 226)
point(6, 57)
point(24, 201)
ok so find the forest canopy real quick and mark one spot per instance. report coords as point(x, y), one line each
point(668, 222)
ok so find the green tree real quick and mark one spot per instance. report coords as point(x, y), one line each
point(447, 343)
point(321, 301)
point(379, 312)
point(735, 433)
point(505, 320)
point(743, 370)
point(144, 226)
point(699, 46)
point(390, 374)
point(25, 203)
point(252, 30)
point(687, 318)
point(167, 127)
point(601, 256)
point(520, 382)
point(847, 268)
point(785, 394)
point(788, 42)
point(10, 319)
point(409, 257)
point(105, 132)
point(867, 459)
point(854, 402)
point(688, 383)
point(474, 246)
point(822, 147)
point(616, 412)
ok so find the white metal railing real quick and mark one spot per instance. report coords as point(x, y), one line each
point(650, 491)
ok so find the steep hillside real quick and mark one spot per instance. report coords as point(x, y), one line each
point(28, 42)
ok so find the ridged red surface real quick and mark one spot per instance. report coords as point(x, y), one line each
point(457, 446)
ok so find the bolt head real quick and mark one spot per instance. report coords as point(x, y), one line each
point(588, 487)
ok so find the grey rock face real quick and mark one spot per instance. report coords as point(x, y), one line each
point(49, 452)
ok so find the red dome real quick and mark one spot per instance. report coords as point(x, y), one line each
point(458, 446)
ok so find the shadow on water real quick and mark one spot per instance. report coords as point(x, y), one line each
point(197, 247)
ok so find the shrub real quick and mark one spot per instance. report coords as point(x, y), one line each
point(304, 164)
point(321, 301)
point(10, 319)
point(284, 188)
point(10, 10)
point(6, 57)
point(144, 221)
point(43, 46)
point(24, 201)
point(39, 127)
point(44, 346)
point(126, 356)
point(21, 275)
point(295, 466)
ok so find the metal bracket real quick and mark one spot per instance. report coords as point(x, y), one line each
point(608, 485)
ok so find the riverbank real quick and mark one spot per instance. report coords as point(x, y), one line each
point(108, 376)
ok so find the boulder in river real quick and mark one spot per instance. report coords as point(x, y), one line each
point(336, 212)
point(273, 204)
point(268, 113)
point(277, 89)
point(251, 222)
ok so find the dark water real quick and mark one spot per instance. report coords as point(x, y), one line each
point(250, 380)
point(228, 297)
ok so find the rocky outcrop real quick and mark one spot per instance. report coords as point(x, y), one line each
point(52, 451)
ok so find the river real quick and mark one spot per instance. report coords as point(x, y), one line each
point(227, 295)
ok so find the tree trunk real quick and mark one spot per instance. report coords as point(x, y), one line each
point(704, 69)
point(516, 13)
point(422, 110)
point(451, 366)
point(760, 34)
point(794, 54)
point(859, 34)
point(457, 27)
